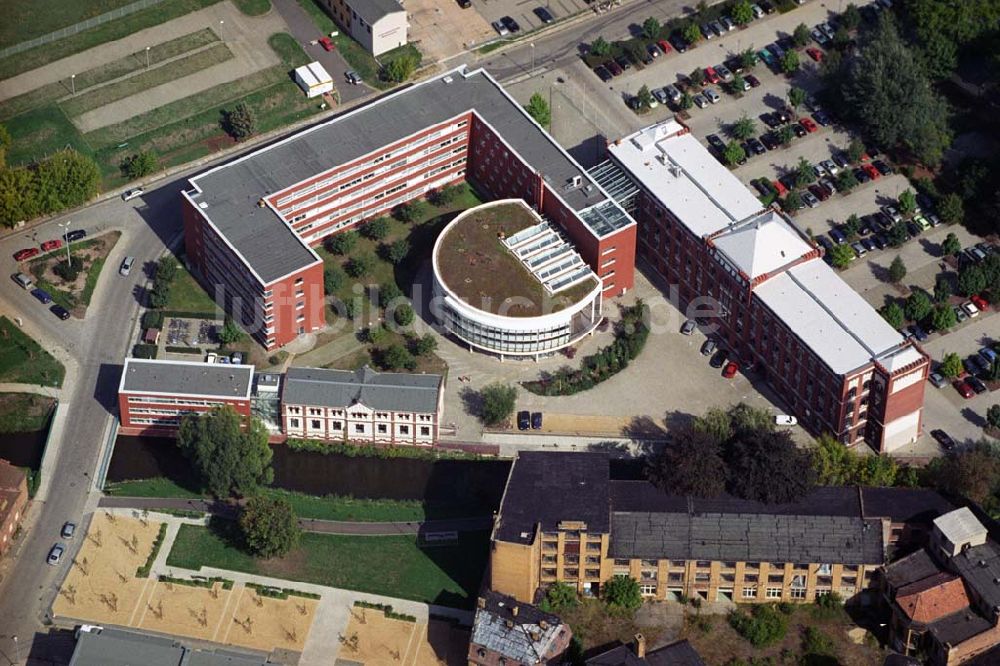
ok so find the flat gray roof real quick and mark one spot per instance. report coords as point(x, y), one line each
point(228, 194)
point(373, 11)
point(115, 647)
point(389, 391)
point(186, 378)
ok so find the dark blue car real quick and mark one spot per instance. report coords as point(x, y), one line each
point(42, 296)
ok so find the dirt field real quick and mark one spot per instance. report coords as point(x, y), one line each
point(375, 640)
point(101, 585)
point(184, 610)
point(73, 295)
point(584, 424)
point(442, 29)
point(273, 623)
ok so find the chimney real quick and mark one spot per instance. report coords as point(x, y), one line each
point(481, 602)
point(513, 611)
point(640, 646)
point(535, 635)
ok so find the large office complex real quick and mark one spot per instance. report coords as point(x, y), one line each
point(563, 518)
point(839, 365)
point(250, 225)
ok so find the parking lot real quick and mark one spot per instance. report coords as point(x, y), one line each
point(522, 11)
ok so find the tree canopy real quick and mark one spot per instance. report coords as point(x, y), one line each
point(690, 465)
point(538, 108)
point(497, 403)
point(622, 592)
point(269, 526)
point(230, 459)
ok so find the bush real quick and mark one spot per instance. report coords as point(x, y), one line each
point(397, 251)
point(376, 229)
point(424, 345)
point(409, 212)
point(333, 279)
point(763, 626)
point(241, 122)
point(447, 195)
point(139, 165)
point(360, 264)
point(897, 270)
point(64, 180)
point(399, 69)
point(342, 243)
point(622, 592)
point(404, 315)
point(558, 597)
point(144, 351)
point(395, 357)
point(69, 271)
point(143, 571)
point(388, 292)
point(269, 526)
point(374, 334)
point(497, 403)
point(152, 319)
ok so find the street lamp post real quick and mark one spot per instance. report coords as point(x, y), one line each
point(147, 57)
point(65, 225)
point(17, 652)
point(72, 82)
point(532, 72)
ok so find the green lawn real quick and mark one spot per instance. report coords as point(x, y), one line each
point(27, 19)
point(106, 32)
point(24, 412)
point(186, 295)
point(253, 7)
point(395, 566)
point(145, 80)
point(23, 361)
point(69, 299)
point(356, 56)
point(156, 487)
point(41, 132)
point(112, 70)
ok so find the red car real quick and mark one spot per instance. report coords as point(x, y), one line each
point(326, 43)
point(808, 124)
point(871, 171)
point(815, 54)
point(730, 370)
point(964, 389)
point(25, 254)
point(664, 46)
point(980, 302)
point(711, 76)
point(779, 187)
point(50, 245)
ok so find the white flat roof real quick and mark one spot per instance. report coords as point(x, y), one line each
point(762, 245)
point(669, 162)
point(829, 316)
point(313, 74)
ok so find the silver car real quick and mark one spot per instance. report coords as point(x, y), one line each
point(673, 93)
point(712, 96)
point(55, 554)
point(700, 101)
point(500, 28)
point(724, 73)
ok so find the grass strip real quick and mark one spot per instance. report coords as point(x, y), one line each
point(106, 32)
point(107, 72)
point(280, 593)
point(22, 360)
point(207, 583)
point(24, 412)
point(143, 571)
point(171, 71)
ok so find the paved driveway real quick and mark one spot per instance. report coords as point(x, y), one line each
point(441, 29)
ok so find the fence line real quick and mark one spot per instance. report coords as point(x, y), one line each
point(68, 31)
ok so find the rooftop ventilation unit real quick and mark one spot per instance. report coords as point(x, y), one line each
point(447, 79)
point(577, 180)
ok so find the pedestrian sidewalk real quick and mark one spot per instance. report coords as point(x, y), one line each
point(47, 391)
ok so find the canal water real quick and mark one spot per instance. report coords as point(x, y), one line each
point(477, 482)
point(23, 449)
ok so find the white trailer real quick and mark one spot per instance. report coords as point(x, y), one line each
point(313, 79)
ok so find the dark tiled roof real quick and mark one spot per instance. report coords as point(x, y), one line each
point(373, 11)
point(681, 653)
point(980, 567)
point(904, 505)
point(389, 391)
point(959, 627)
point(10, 476)
point(548, 487)
point(530, 636)
point(642, 496)
point(910, 569)
point(620, 655)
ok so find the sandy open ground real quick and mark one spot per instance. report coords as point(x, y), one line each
point(273, 623)
point(375, 640)
point(184, 610)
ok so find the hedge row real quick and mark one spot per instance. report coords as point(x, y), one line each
point(198, 582)
point(372, 451)
point(143, 571)
point(184, 350)
point(387, 609)
point(280, 593)
point(142, 350)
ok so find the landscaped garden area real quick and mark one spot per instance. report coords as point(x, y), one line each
point(448, 574)
point(24, 412)
point(23, 361)
point(71, 281)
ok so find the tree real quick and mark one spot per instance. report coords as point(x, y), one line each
point(786, 135)
point(734, 153)
point(943, 318)
point(971, 280)
point(538, 108)
point(376, 229)
point(229, 452)
point(790, 62)
point(651, 28)
point(951, 209)
point(886, 91)
point(230, 332)
point(737, 84)
point(907, 202)
point(497, 403)
point(742, 12)
point(897, 270)
point(559, 597)
point(852, 226)
point(622, 593)
point(855, 150)
point(804, 174)
point(744, 128)
point(360, 264)
point(139, 165)
point(400, 68)
point(942, 289)
point(409, 212)
point(397, 251)
point(918, 306)
point(841, 256)
point(645, 97)
point(690, 465)
point(801, 35)
point(404, 314)
point(841, 38)
point(5, 142)
point(748, 58)
point(424, 345)
point(395, 357)
point(846, 180)
point(374, 334)
point(971, 473)
point(241, 122)
point(388, 292)
point(762, 626)
point(269, 526)
point(697, 76)
point(686, 101)
point(793, 201)
point(796, 96)
point(600, 47)
point(342, 243)
point(951, 245)
point(447, 195)
point(333, 279)
point(993, 416)
point(898, 234)
point(951, 365)
point(850, 18)
point(691, 33)
point(836, 465)
point(767, 466)
point(893, 314)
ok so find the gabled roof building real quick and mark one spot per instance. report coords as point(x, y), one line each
point(508, 632)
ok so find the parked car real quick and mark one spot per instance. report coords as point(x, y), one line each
point(664, 46)
point(602, 73)
point(500, 28)
point(892, 213)
point(808, 125)
point(673, 93)
point(964, 389)
point(882, 167)
point(819, 37)
point(135, 192)
point(623, 63)
point(838, 236)
point(544, 15)
point(770, 140)
point(523, 420)
point(50, 245)
point(712, 96)
point(660, 95)
point(970, 309)
point(512, 25)
point(68, 530)
point(859, 250)
point(977, 384)
point(711, 75)
point(700, 101)
point(752, 80)
point(706, 31)
point(815, 54)
point(74, 235)
point(718, 359)
point(730, 370)
point(717, 28)
point(708, 347)
point(55, 554)
point(26, 253)
point(960, 314)
point(989, 356)
point(614, 68)
point(353, 77)
point(653, 50)
point(126, 266)
point(937, 379)
point(328, 44)
point(715, 142)
point(43, 296)
point(758, 12)
point(861, 175)
point(809, 199)
point(942, 438)
point(830, 167)
point(872, 172)
point(756, 147)
point(536, 420)
point(60, 312)
point(687, 328)
point(679, 43)
point(23, 280)
point(724, 73)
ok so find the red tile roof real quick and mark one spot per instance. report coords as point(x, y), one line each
point(933, 598)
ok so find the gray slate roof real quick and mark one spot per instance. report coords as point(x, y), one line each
point(231, 192)
point(746, 537)
point(388, 391)
point(914, 567)
point(546, 488)
point(979, 566)
point(373, 11)
point(515, 641)
point(958, 627)
point(681, 653)
point(115, 647)
point(186, 378)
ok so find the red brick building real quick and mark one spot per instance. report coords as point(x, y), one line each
point(154, 395)
point(840, 367)
point(13, 502)
point(250, 224)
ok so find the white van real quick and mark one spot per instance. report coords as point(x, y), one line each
point(24, 280)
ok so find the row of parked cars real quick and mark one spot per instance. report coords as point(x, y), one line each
point(24, 280)
point(975, 366)
point(508, 26)
point(529, 420)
